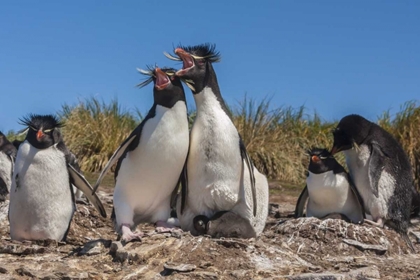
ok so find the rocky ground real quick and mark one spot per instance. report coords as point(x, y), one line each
point(288, 249)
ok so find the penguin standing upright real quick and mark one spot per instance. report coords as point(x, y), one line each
point(221, 176)
point(7, 157)
point(380, 170)
point(329, 190)
point(41, 197)
point(151, 160)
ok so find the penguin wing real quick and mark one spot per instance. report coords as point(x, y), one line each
point(301, 202)
point(183, 180)
point(357, 195)
point(245, 156)
point(114, 158)
point(82, 184)
point(376, 166)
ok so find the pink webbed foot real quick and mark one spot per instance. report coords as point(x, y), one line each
point(128, 235)
point(163, 227)
point(378, 223)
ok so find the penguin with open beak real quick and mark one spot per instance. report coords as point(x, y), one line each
point(329, 190)
point(150, 162)
point(7, 158)
point(41, 196)
point(221, 176)
point(380, 169)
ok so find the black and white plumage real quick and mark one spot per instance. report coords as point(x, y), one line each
point(7, 158)
point(41, 197)
point(221, 176)
point(380, 169)
point(151, 160)
point(329, 189)
point(224, 224)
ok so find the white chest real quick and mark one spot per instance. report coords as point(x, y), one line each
point(149, 173)
point(214, 162)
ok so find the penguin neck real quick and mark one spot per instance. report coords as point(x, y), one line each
point(167, 99)
point(208, 89)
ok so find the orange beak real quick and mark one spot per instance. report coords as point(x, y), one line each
point(315, 159)
point(39, 135)
point(187, 60)
point(162, 80)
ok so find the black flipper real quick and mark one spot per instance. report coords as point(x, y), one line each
point(376, 166)
point(301, 202)
point(357, 194)
point(82, 184)
point(245, 156)
point(114, 158)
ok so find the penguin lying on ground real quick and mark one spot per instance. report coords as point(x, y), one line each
point(380, 169)
point(221, 176)
point(224, 224)
point(41, 197)
point(151, 159)
point(7, 158)
point(329, 190)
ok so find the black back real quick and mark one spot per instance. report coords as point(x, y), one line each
point(388, 155)
point(7, 147)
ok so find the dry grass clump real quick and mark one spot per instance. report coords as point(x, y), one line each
point(278, 139)
point(405, 127)
point(93, 131)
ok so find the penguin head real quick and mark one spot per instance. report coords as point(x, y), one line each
point(6, 146)
point(321, 161)
point(196, 63)
point(351, 130)
point(43, 130)
point(200, 223)
point(167, 86)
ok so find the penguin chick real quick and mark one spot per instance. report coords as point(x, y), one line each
point(224, 224)
point(7, 158)
point(380, 169)
point(151, 160)
point(329, 189)
point(41, 197)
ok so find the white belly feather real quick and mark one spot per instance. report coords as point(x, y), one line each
point(149, 174)
point(331, 193)
point(358, 164)
point(41, 207)
point(6, 169)
point(215, 179)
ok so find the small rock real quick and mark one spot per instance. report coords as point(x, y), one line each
point(362, 246)
point(364, 273)
point(24, 272)
point(318, 276)
point(94, 247)
point(3, 270)
point(204, 264)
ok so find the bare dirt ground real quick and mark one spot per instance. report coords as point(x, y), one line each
point(288, 249)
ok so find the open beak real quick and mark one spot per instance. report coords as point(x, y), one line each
point(39, 135)
point(187, 60)
point(162, 80)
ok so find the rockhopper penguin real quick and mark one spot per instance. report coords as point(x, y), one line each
point(41, 197)
point(7, 158)
point(151, 160)
point(380, 170)
point(221, 176)
point(329, 189)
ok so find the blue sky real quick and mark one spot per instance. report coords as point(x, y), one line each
point(335, 57)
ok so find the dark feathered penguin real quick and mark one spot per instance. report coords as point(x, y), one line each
point(380, 169)
point(7, 157)
point(221, 176)
point(41, 197)
point(151, 160)
point(329, 189)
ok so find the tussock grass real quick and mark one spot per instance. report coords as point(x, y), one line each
point(93, 130)
point(278, 139)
